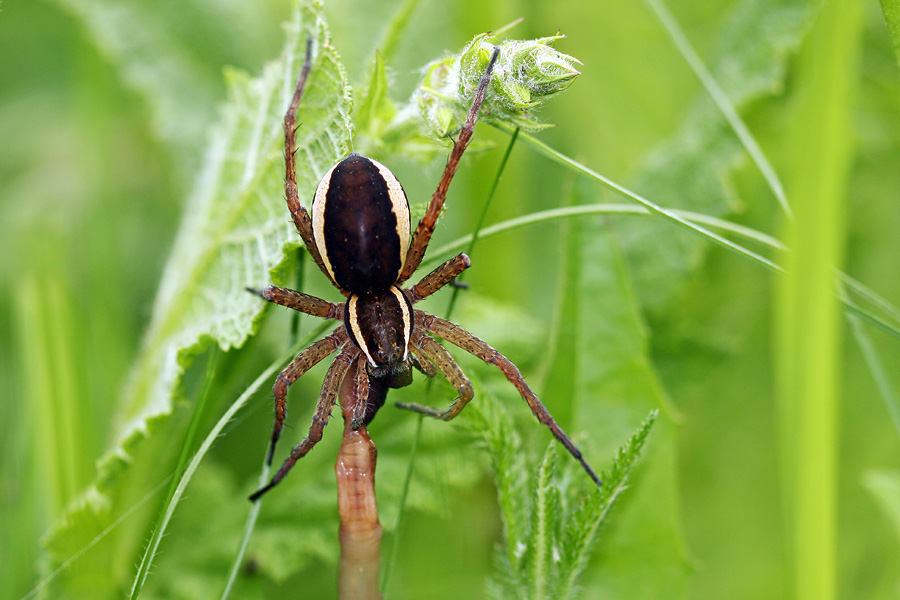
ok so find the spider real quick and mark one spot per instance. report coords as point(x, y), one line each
point(359, 236)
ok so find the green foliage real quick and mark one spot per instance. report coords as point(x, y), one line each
point(610, 358)
point(693, 169)
point(527, 73)
point(551, 517)
point(233, 234)
point(105, 109)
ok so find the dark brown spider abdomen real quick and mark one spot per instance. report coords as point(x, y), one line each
point(361, 224)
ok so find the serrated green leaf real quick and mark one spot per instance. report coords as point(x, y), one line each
point(551, 516)
point(540, 545)
point(584, 520)
point(375, 109)
point(235, 230)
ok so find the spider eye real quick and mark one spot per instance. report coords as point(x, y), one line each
point(360, 219)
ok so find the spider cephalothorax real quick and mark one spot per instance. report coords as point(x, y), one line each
point(359, 236)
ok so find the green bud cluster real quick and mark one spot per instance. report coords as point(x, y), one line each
point(526, 73)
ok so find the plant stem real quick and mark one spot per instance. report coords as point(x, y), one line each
point(808, 323)
point(360, 531)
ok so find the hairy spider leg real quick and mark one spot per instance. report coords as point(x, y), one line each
point(423, 232)
point(303, 362)
point(462, 338)
point(332, 383)
point(299, 214)
point(449, 367)
point(438, 278)
point(361, 380)
point(421, 362)
point(301, 302)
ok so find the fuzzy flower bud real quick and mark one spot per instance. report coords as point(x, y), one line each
point(526, 73)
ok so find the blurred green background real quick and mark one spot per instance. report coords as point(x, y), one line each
point(105, 110)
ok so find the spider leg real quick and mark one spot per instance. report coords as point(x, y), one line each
point(299, 301)
point(423, 232)
point(470, 343)
point(303, 362)
point(361, 381)
point(438, 278)
point(330, 387)
point(448, 366)
point(299, 214)
point(421, 362)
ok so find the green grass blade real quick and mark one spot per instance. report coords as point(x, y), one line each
point(582, 210)
point(879, 373)
point(890, 324)
point(808, 332)
point(247, 531)
point(873, 362)
point(882, 304)
point(720, 98)
point(666, 213)
point(207, 443)
point(100, 536)
point(869, 317)
point(473, 238)
point(196, 417)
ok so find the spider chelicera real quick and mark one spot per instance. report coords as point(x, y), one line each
point(359, 236)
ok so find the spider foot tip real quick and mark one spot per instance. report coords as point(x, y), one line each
point(593, 475)
point(258, 493)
